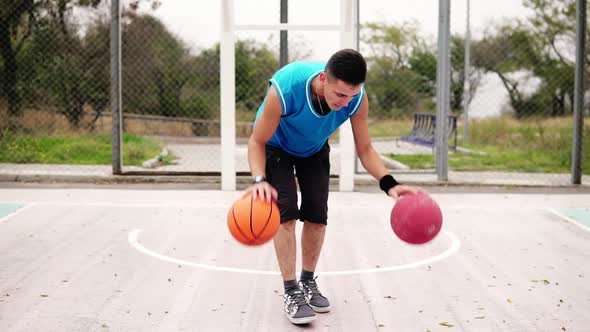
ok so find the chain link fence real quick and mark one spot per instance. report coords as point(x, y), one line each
point(518, 94)
point(54, 82)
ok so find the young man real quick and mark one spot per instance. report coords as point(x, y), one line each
point(305, 103)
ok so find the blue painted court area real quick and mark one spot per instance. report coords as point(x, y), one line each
point(8, 208)
point(580, 215)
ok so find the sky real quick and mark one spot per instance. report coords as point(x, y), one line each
point(198, 23)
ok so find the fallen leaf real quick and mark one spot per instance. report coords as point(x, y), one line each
point(445, 324)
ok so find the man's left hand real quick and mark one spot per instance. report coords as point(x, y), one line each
point(402, 189)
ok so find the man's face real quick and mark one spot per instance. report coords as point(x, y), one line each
point(338, 93)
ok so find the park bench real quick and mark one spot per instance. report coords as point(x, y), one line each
point(423, 130)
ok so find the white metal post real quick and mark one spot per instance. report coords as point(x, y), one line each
point(228, 95)
point(347, 40)
point(347, 152)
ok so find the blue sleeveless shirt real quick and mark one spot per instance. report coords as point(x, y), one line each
point(302, 131)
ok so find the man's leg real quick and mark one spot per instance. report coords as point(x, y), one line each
point(279, 172)
point(286, 249)
point(313, 174)
point(312, 239)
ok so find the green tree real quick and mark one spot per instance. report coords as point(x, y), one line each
point(18, 19)
point(423, 61)
point(510, 49)
point(540, 46)
point(64, 70)
point(393, 87)
point(255, 63)
point(403, 69)
point(154, 67)
point(554, 23)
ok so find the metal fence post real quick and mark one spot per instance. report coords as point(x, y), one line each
point(466, 87)
point(579, 92)
point(116, 103)
point(284, 43)
point(443, 86)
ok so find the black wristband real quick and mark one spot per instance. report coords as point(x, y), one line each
point(387, 182)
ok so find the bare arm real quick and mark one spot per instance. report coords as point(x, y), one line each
point(265, 127)
point(367, 154)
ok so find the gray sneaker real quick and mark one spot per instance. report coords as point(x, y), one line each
point(296, 307)
point(315, 299)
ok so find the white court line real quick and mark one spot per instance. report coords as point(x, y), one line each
point(17, 211)
point(563, 216)
point(455, 245)
point(132, 205)
point(227, 204)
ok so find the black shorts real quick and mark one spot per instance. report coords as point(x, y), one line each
point(313, 176)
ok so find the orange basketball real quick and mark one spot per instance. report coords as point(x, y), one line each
point(253, 222)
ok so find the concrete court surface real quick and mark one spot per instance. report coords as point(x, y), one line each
point(163, 260)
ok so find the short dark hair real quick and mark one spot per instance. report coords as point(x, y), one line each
point(347, 65)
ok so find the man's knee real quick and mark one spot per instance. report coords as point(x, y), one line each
point(288, 226)
point(314, 225)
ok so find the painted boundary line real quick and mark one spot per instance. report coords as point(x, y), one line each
point(227, 204)
point(17, 211)
point(563, 216)
point(455, 245)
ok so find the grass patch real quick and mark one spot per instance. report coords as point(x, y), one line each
point(535, 145)
point(389, 127)
point(494, 160)
point(82, 149)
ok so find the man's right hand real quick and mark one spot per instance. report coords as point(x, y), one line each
point(263, 191)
